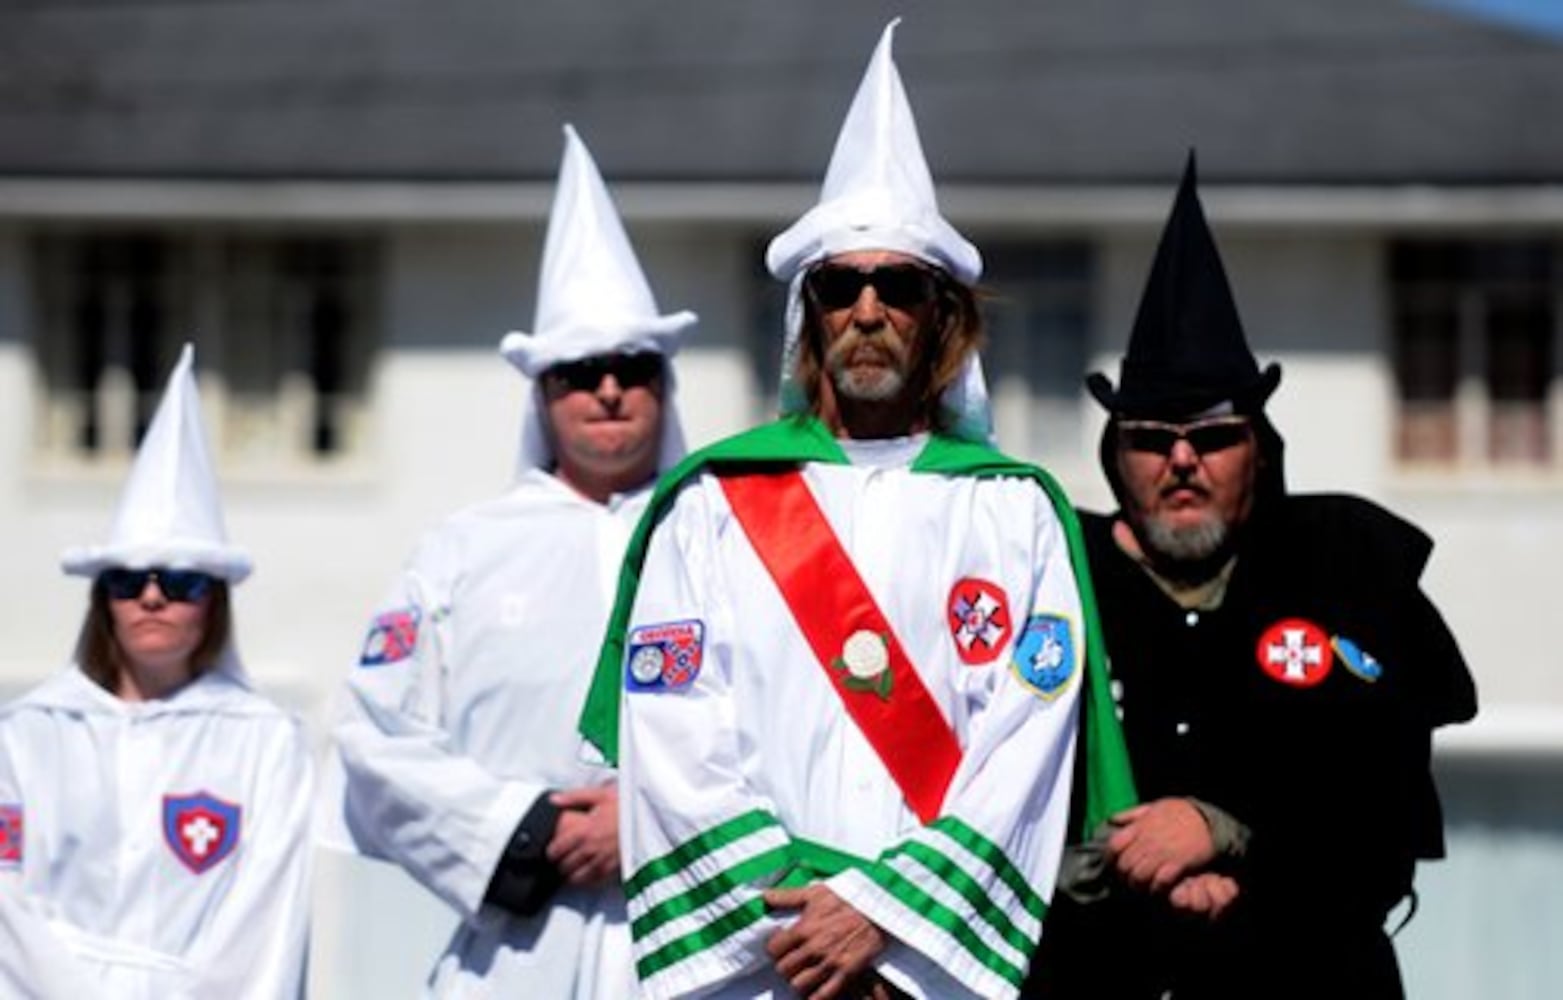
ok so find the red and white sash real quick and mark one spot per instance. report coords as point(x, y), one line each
point(831, 604)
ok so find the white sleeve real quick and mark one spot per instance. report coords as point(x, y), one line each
point(255, 945)
point(699, 844)
point(398, 788)
point(965, 896)
point(34, 963)
point(12, 820)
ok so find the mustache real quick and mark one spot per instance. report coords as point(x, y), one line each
point(884, 342)
point(1184, 483)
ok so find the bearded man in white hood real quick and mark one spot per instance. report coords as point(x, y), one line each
point(457, 740)
point(845, 674)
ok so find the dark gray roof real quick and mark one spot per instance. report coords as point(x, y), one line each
point(1319, 91)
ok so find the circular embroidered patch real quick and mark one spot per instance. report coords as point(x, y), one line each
point(1295, 652)
point(646, 664)
point(978, 616)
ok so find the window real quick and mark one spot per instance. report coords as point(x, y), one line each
point(1036, 300)
point(1475, 328)
point(1039, 319)
point(283, 326)
point(767, 301)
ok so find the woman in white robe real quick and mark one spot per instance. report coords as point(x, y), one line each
point(154, 810)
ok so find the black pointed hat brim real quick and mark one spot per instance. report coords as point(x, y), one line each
point(1175, 398)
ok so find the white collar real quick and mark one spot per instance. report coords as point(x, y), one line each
point(884, 453)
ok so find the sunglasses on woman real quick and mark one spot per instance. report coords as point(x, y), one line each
point(1206, 436)
point(899, 286)
point(631, 371)
point(176, 584)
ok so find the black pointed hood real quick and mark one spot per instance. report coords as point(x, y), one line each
point(1187, 351)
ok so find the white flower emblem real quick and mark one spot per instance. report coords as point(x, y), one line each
point(865, 654)
point(646, 664)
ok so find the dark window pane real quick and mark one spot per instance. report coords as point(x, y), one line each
point(1519, 372)
point(1483, 310)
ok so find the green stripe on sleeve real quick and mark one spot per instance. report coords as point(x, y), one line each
point(969, 889)
point(910, 895)
point(711, 889)
point(994, 857)
point(704, 938)
point(699, 846)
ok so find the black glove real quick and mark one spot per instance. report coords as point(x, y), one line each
point(525, 879)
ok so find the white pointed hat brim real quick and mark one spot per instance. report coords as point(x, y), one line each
point(870, 220)
point(226, 562)
point(535, 353)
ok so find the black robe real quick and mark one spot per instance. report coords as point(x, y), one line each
point(1304, 706)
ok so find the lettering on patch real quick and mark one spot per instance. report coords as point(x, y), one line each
point(664, 657)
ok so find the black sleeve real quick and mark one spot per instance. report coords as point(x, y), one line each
point(1352, 805)
point(1396, 552)
point(525, 878)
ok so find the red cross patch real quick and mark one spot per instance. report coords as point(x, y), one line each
point(979, 620)
point(1295, 652)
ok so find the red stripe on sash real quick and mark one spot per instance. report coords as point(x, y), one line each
point(830, 602)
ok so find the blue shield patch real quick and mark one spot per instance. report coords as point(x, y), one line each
point(1358, 660)
point(1044, 657)
point(664, 657)
point(200, 829)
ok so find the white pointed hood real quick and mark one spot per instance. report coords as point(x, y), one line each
point(169, 513)
point(878, 195)
point(592, 298)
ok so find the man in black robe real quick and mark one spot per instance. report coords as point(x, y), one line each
point(1279, 672)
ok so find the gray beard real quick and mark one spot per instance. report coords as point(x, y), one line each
point(884, 384)
point(1194, 543)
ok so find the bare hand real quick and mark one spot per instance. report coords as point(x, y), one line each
point(829, 951)
point(1206, 894)
point(585, 844)
point(1157, 844)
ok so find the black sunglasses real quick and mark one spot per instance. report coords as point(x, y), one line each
point(631, 371)
point(899, 286)
point(1204, 436)
point(176, 584)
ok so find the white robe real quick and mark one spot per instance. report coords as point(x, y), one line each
point(101, 893)
point(757, 753)
point(446, 749)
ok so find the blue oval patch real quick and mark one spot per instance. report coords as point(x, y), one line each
point(1044, 658)
point(1358, 660)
